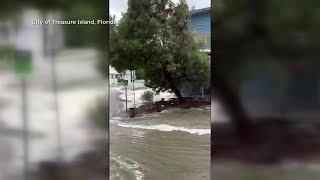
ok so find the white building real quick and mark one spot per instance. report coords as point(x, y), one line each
point(115, 77)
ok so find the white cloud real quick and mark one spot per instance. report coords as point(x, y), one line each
point(198, 3)
point(118, 6)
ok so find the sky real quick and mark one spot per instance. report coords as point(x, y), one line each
point(118, 6)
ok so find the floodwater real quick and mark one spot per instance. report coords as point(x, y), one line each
point(173, 144)
point(77, 91)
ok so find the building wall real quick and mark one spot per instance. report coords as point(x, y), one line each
point(115, 75)
point(113, 78)
point(274, 88)
point(202, 22)
point(188, 90)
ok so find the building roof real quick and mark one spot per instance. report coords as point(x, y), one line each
point(199, 11)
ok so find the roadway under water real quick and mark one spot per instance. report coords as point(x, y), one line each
point(173, 144)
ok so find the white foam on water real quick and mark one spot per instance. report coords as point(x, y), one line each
point(134, 99)
point(160, 127)
point(114, 121)
point(118, 118)
point(133, 167)
point(167, 128)
point(207, 108)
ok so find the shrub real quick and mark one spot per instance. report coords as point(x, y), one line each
point(147, 96)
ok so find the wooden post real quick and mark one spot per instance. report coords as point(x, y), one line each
point(202, 93)
point(158, 106)
point(132, 112)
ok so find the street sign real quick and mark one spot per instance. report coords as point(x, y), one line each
point(23, 62)
point(125, 83)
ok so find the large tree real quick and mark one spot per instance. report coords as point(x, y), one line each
point(279, 30)
point(251, 31)
point(154, 36)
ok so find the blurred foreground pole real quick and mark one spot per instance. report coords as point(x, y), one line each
point(23, 68)
point(50, 48)
point(25, 129)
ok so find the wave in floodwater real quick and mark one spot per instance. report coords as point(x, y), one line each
point(126, 122)
point(137, 155)
point(124, 117)
point(128, 166)
point(164, 127)
point(205, 108)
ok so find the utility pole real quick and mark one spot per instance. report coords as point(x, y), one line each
point(134, 95)
point(126, 99)
point(125, 84)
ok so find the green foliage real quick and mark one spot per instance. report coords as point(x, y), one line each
point(80, 35)
point(140, 74)
point(147, 96)
point(268, 29)
point(155, 38)
point(7, 9)
point(284, 16)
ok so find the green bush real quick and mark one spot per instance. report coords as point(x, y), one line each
point(147, 96)
point(140, 74)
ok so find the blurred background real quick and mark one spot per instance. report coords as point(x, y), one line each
point(53, 91)
point(265, 101)
point(265, 105)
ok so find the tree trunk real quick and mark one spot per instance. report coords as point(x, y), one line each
point(173, 88)
point(177, 92)
point(232, 104)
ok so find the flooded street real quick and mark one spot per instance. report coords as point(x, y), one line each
point(77, 91)
point(173, 144)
